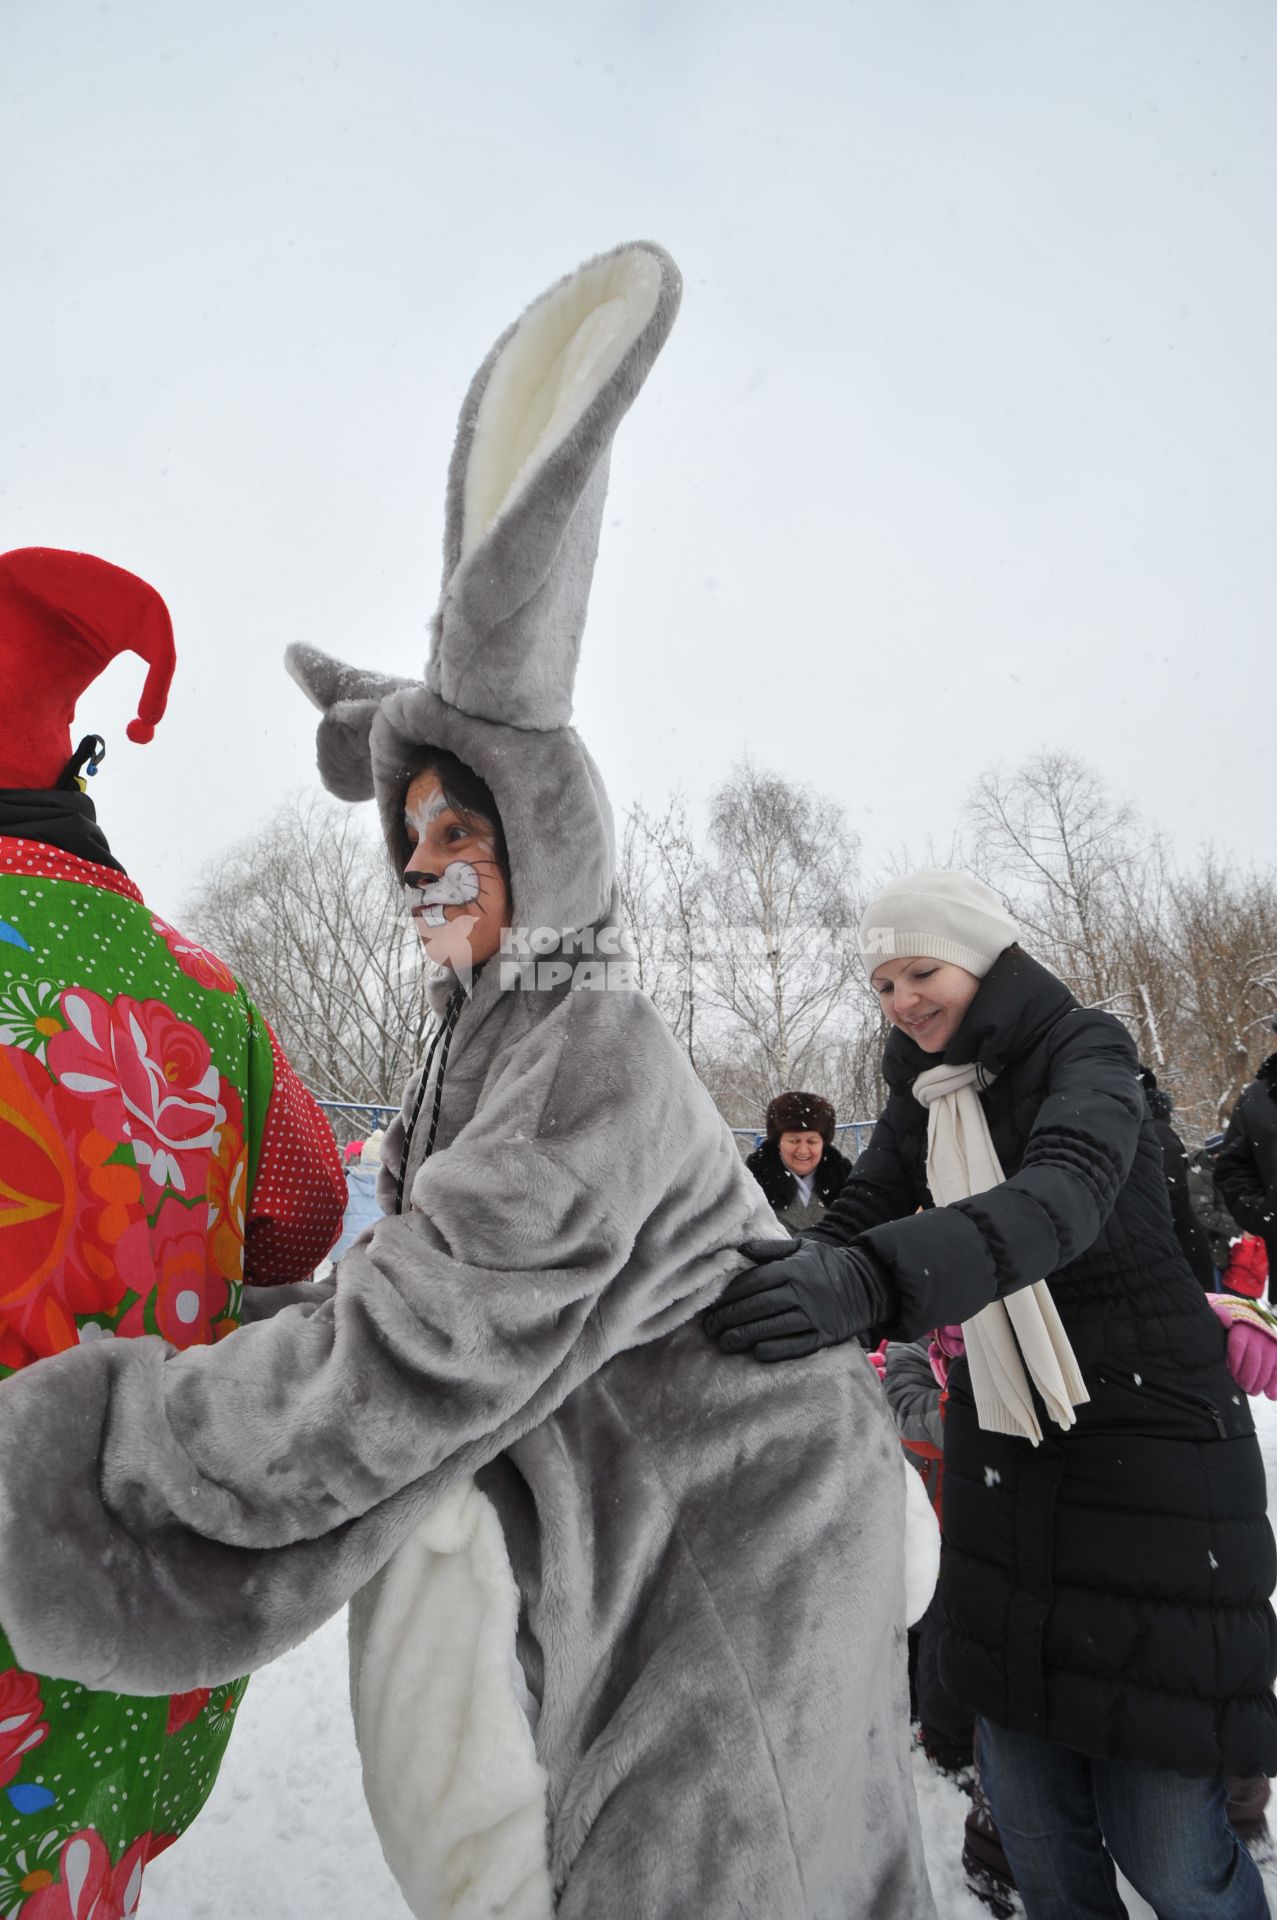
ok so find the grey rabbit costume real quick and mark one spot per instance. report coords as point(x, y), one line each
point(501, 1421)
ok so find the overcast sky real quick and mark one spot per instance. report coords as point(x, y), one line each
point(962, 445)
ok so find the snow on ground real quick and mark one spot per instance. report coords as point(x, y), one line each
point(286, 1835)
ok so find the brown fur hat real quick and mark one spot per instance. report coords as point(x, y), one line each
point(801, 1113)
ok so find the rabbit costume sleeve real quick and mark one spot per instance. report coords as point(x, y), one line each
point(502, 1416)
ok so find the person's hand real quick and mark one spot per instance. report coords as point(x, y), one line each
point(1252, 1360)
point(878, 1361)
point(951, 1341)
point(1252, 1343)
point(798, 1299)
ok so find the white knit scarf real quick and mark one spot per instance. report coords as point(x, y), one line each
point(1024, 1330)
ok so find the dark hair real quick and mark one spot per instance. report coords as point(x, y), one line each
point(1160, 1104)
point(465, 792)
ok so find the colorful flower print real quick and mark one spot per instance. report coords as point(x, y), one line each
point(151, 1080)
point(176, 1293)
point(10, 936)
point(188, 1297)
point(89, 1887)
point(29, 1796)
point(72, 1227)
point(185, 1707)
point(30, 1016)
point(31, 1868)
point(195, 960)
point(228, 1199)
point(224, 1705)
point(21, 1727)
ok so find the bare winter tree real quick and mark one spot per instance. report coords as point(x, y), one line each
point(1224, 936)
point(310, 918)
point(779, 953)
point(1074, 861)
point(1187, 959)
point(662, 886)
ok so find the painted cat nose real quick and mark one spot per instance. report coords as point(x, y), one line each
point(414, 878)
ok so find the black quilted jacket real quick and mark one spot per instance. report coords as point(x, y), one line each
point(1108, 1589)
point(1246, 1166)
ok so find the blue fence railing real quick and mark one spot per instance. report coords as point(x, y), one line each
point(365, 1114)
point(357, 1114)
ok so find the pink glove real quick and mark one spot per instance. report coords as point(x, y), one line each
point(1252, 1343)
point(946, 1344)
point(878, 1361)
point(1252, 1360)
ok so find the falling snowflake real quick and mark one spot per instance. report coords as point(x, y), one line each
point(992, 1478)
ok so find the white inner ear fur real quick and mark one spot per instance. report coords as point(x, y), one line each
point(564, 350)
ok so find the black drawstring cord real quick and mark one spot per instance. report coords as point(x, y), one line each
point(444, 1032)
point(450, 1025)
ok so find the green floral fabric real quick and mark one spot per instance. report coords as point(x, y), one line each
point(135, 1078)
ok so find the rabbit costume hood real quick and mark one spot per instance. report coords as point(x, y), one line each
point(525, 498)
point(500, 1429)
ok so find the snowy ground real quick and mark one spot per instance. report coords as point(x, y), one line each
point(286, 1836)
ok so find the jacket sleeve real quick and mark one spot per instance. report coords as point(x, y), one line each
point(948, 1263)
point(1213, 1217)
point(198, 1512)
point(1189, 1231)
point(298, 1194)
point(880, 1186)
point(913, 1393)
point(1240, 1181)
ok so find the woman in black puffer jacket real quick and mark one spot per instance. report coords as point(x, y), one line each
point(1108, 1560)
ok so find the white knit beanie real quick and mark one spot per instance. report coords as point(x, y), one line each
point(938, 914)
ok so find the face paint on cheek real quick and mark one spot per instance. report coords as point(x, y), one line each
point(456, 886)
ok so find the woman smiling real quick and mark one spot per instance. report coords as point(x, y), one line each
point(1107, 1565)
point(797, 1165)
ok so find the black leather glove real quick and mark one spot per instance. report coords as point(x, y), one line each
point(797, 1299)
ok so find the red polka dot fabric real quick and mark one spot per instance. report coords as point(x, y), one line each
point(50, 863)
point(299, 1196)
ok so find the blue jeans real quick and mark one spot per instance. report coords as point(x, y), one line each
point(1064, 1819)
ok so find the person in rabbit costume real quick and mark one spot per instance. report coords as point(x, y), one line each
point(597, 1669)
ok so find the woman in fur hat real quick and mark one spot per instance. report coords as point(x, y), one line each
point(595, 1671)
point(1108, 1559)
point(798, 1167)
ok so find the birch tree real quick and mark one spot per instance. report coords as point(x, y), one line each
point(781, 960)
point(310, 918)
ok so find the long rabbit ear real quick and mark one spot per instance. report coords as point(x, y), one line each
point(348, 697)
point(527, 484)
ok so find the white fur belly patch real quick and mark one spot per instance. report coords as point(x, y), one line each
point(922, 1546)
point(450, 1771)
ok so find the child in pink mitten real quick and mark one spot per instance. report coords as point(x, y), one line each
point(1252, 1342)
